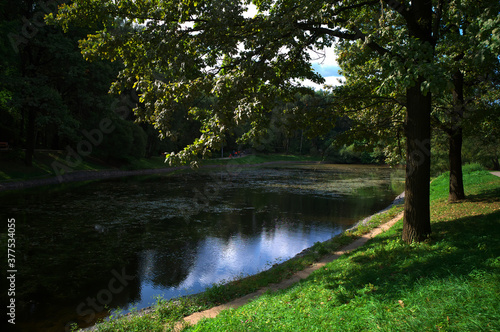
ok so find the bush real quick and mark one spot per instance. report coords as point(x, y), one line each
point(125, 143)
point(472, 167)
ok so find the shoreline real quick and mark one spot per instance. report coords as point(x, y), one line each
point(288, 282)
point(83, 176)
point(397, 201)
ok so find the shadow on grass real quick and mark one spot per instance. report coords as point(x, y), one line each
point(491, 195)
point(458, 248)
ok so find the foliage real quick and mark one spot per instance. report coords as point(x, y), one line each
point(176, 58)
point(374, 93)
point(177, 53)
point(126, 141)
point(44, 79)
point(487, 155)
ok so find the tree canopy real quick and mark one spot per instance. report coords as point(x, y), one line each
point(462, 81)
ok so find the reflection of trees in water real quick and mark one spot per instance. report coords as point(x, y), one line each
point(69, 242)
point(271, 210)
point(169, 264)
point(63, 262)
point(46, 310)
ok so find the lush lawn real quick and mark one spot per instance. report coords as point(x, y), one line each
point(451, 282)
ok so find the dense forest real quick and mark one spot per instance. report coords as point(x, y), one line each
point(53, 99)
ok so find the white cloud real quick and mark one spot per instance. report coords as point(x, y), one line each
point(329, 80)
point(251, 11)
point(325, 57)
point(323, 61)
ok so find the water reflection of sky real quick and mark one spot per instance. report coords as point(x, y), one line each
point(220, 260)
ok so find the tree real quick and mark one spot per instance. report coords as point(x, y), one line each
point(470, 58)
point(49, 94)
point(463, 77)
point(184, 50)
point(51, 89)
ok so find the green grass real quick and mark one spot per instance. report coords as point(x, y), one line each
point(450, 282)
point(13, 168)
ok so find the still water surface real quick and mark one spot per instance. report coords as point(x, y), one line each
point(123, 243)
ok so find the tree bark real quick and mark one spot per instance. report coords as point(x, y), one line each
point(456, 190)
point(496, 164)
point(30, 137)
point(417, 225)
point(455, 158)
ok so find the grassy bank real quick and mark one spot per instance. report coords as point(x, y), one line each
point(451, 282)
point(12, 167)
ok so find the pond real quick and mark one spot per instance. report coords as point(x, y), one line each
point(123, 243)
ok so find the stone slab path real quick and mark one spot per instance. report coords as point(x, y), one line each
point(213, 312)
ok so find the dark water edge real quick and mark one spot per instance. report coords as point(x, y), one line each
point(85, 176)
point(126, 221)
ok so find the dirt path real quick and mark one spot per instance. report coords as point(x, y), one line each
point(495, 173)
point(213, 312)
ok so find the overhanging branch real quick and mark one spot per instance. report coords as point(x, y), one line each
point(357, 35)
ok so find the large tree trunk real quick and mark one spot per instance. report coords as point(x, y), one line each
point(456, 191)
point(417, 224)
point(455, 158)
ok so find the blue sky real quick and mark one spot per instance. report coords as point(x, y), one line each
point(328, 70)
point(324, 62)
